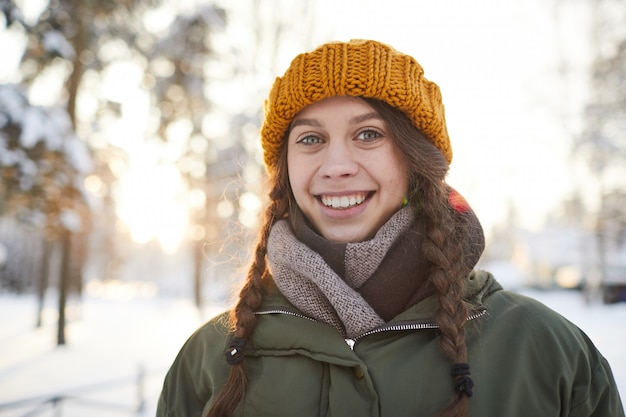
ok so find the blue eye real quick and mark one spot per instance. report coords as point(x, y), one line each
point(369, 134)
point(309, 140)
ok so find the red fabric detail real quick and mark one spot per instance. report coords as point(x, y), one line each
point(458, 202)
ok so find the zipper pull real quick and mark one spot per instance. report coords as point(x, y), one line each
point(350, 343)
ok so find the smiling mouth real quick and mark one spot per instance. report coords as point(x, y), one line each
point(343, 201)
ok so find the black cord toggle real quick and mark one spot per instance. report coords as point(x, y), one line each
point(463, 383)
point(234, 353)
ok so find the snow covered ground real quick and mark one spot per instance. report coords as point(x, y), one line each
point(117, 333)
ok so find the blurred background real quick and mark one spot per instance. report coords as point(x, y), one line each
point(132, 179)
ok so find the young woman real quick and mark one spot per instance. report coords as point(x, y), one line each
point(361, 299)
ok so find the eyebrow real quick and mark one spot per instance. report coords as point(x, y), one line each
point(364, 117)
point(305, 122)
point(353, 121)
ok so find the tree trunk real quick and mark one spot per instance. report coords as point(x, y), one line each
point(42, 285)
point(79, 42)
point(64, 281)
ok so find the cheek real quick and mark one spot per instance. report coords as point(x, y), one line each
point(403, 182)
point(292, 168)
point(399, 181)
point(296, 178)
point(398, 189)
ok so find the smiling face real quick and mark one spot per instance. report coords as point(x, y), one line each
point(344, 170)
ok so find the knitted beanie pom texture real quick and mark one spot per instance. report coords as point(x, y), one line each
point(359, 68)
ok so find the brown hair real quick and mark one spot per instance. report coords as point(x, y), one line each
point(443, 248)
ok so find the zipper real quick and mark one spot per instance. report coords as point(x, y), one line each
point(406, 326)
point(283, 311)
point(398, 327)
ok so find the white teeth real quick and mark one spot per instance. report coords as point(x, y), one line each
point(343, 202)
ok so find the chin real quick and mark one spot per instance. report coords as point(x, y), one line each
point(346, 237)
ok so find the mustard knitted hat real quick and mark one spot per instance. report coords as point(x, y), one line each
point(361, 68)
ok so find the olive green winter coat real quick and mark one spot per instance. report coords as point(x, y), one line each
point(526, 361)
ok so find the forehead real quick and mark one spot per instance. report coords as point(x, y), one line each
point(355, 108)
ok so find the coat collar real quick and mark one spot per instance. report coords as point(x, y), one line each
point(282, 329)
point(479, 286)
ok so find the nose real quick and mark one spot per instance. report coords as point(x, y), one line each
point(339, 161)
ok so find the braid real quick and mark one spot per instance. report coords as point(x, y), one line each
point(444, 243)
point(242, 317)
point(442, 248)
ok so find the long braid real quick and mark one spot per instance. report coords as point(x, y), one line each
point(445, 239)
point(442, 247)
point(243, 318)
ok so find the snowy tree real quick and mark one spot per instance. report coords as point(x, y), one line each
point(603, 142)
point(605, 136)
point(46, 163)
point(43, 166)
point(85, 43)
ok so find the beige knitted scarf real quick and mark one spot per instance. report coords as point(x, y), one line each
point(311, 285)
